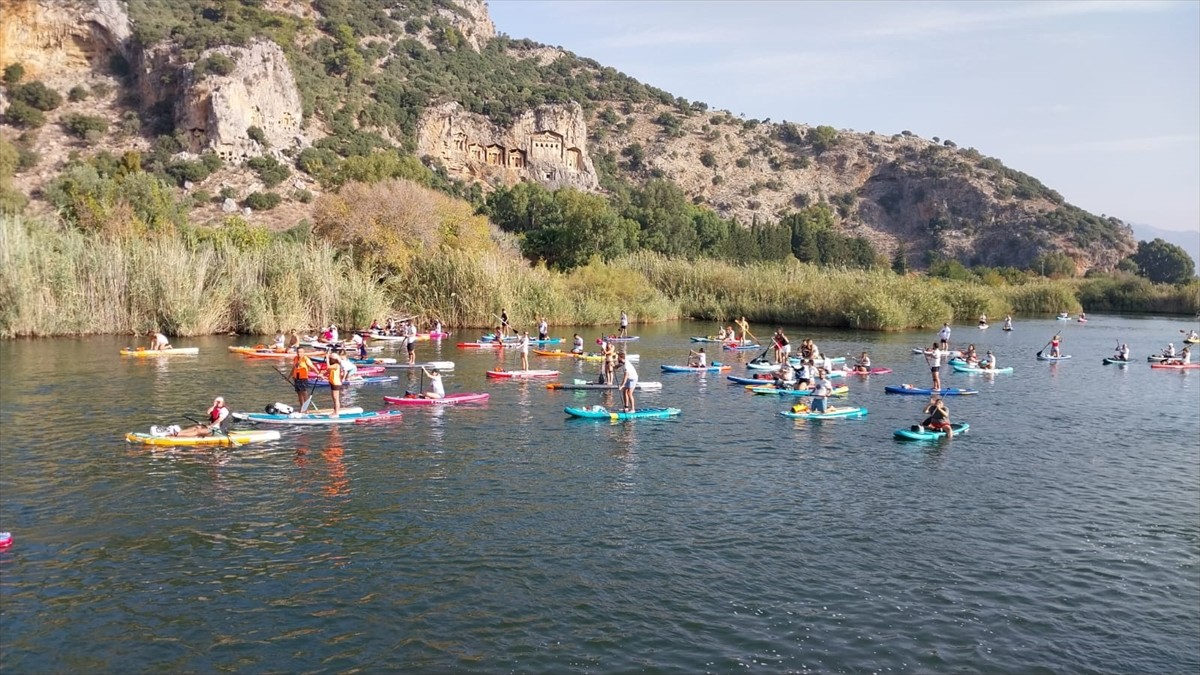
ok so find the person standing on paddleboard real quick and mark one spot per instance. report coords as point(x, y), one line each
point(624, 332)
point(628, 382)
point(944, 337)
point(335, 371)
point(410, 341)
point(503, 325)
point(524, 347)
point(934, 358)
point(302, 369)
point(783, 348)
point(543, 330)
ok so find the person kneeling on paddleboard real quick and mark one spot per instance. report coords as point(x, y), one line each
point(939, 417)
point(436, 388)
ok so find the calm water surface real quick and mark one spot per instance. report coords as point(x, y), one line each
point(1062, 534)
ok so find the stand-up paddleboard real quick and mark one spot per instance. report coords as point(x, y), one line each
point(960, 367)
point(579, 384)
point(921, 391)
point(440, 365)
point(374, 379)
point(316, 419)
point(1111, 361)
point(519, 374)
point(1175, 366)
point(769, 390)
point(176, 351)
point(598, 412)
point(1047, 357)
point(918, 433)
point(714, 368)
point(448, 399)
point(830, 413)
point(218, 439)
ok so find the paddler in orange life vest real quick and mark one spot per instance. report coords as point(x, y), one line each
point(302, 368)
point(335, 372)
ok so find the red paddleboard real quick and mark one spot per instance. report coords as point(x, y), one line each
point(522, 373)
point(464, 397)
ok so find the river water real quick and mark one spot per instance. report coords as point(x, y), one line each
point(1061, 534)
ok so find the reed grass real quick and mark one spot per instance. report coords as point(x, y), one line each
point(55, 280)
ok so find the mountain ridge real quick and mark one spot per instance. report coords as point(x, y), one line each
point(373, 75)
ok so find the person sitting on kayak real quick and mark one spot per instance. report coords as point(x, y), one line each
point(970, 356)
point(217, 416)
point(280, 343)
point(374, 325)
point(989, 361)
point(1122, 353)
point(577, 344)
point(293, 340)
point(159, 342)
point(863, 365)
point(821, 389)
point(721, 334)
point(1185, 357)
point(1191, 336)
point(1169, 352)
point(697, 358)
point(939, 417)
point(436, 389)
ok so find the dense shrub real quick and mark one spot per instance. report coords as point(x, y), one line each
point(35, 94)
point(262, 201)
point(24, 115)
point(85, 126)
point(270, 171)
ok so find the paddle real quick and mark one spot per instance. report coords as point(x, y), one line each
point(1039, 353)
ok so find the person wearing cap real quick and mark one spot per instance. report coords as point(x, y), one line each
point(1169, 352)
point(217, 415)
point(989, 361)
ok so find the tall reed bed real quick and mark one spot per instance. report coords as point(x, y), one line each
point(56, 281)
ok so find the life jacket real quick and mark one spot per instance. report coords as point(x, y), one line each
point(334, 371)
point(301, 369)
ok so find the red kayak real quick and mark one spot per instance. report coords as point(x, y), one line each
point(464, 397)
point(482, 345)
point(1175, 366)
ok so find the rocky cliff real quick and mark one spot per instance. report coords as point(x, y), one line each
point(216, 111)
point(547, 145)
point(53, 40)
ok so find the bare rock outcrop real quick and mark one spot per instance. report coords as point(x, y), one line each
point(217, 111)
point(547, 144)
point(64, 38)
point(471, 18)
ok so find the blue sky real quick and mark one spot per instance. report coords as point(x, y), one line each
point(1098, 100)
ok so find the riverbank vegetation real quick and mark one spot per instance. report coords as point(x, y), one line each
point(56, 279)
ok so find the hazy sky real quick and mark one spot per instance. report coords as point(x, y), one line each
point(1098, 100)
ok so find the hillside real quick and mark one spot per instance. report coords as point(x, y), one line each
point(257, 107)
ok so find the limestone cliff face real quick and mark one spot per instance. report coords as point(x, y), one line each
point(216, 111)
point(61, 39)
point(472, 20)
point(547, 144)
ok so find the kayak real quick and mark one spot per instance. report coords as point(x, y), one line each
point(6, 539)
point(440, 365)
point(515, 340)
point(944, 391)
point(1045, 357)
point(714, 368)
point(837, 391)
point(1007, 329)
point(374, 379)
point(177, 351)
point(961, 367)
point(830, 413)
point(983, 326)
point(873, 371)
point(919, 433)
point(464, 397)
point(581, 384)
point(1191, 341)
point(522, 373)
point(482, 345)
point(710, 338)
point(795, 360)
point(232, 438)
point(599, 412)
point(1175, 366)
point(1110, 360)
point(325, 417)
point(1063, 318)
